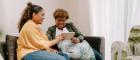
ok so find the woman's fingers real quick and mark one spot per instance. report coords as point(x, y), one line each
point(60, 37)
point(53, 50)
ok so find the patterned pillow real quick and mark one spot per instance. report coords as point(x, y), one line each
point(86, 52)
point(80, 51)
point(75, 52)
point(64, 45)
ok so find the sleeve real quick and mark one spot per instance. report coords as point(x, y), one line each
point(77, 32)
point(49, 34)
point(36, 39)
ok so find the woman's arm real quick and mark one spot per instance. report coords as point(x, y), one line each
point(49, 34)
point(56, 40)
point(37, 39)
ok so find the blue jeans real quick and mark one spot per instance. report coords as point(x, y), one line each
point(44, 55)
point(98, 56)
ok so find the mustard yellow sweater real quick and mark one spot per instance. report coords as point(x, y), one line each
point(31, 39)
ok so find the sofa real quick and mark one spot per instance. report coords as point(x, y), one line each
point(8, 48)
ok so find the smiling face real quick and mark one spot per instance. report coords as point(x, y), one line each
point(60, 16)
point(38, 17)
point(60, 22)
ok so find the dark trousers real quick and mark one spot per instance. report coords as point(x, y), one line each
point(98, 56)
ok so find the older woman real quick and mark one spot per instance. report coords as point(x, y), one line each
point(76, 48)
point(32, 43)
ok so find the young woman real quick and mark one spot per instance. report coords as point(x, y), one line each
point(32, 43)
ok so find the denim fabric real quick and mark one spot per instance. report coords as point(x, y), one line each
point(44, 55)
point(98, 56)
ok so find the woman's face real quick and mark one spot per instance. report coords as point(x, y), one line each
point(60, 22)
point(38, 17)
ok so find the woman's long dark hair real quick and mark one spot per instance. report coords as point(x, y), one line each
point(27, 14)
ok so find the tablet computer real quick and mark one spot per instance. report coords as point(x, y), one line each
point(68, 35)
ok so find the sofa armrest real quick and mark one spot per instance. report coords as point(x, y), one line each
point(11, 47)
point(96, 42)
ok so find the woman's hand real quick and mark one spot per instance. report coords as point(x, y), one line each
point(60, 37)
point(53, 50)
point(75, 40)
point(56, 40)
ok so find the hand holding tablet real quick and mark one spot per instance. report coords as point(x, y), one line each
point(68, 35)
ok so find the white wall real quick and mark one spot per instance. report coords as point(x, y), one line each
point(1, 16)
point(78, 11)
point(11, 15)
point(1, 19)
point(83, 21)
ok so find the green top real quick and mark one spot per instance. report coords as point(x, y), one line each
point(69, 26)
